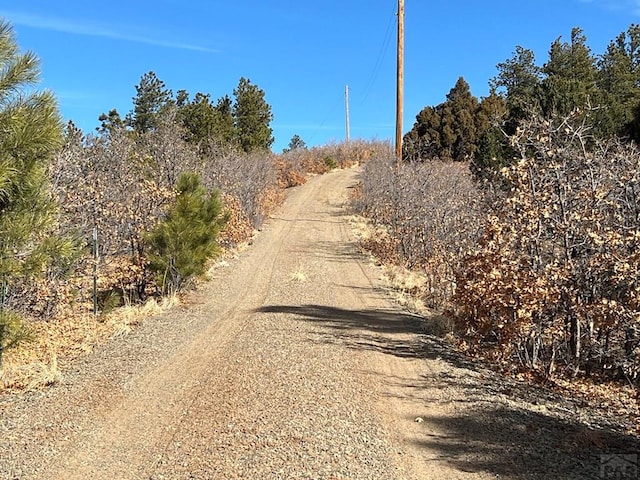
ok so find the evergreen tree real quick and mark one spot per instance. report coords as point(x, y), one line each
point(30, 133)
point(151, 98)
point(619, 84)
point(570, 81)
point(519, 79)
point(423, 140)
point(449, 131)
point(224, 123)
point(197, 117)
point(109, 122)
point(252, 117)
point(183, 243)
point(493, 151)
point(206, 122)
point(464, 110)
point(182, 98)
point(296, 143)
point(493, 110)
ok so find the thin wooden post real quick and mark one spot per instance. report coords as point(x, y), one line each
point(95, 270)
point(346, 101)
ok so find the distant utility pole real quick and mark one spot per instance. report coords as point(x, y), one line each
point(346, 102)
point(400, 82)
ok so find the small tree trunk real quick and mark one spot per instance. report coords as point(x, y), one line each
point(552, 362)
point(575, 342)
point(631, 340)
point(2, 334)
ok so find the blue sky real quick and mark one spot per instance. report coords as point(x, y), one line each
point(302, 54)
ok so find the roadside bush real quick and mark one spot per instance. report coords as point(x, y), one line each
point(555, 283)
point(290, 169)
point(114, 184)
point(186, 239)
point(250, 178)
point(238, 228)
point(429, 215)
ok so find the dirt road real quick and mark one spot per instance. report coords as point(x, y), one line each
point(292, 363)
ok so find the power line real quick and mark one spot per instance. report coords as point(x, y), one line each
point(331, 113)
point(375, 71)
point(381, 54)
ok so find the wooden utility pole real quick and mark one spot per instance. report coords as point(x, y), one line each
point(346, 102)
point(400, 82)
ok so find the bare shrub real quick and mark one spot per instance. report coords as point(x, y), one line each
point(432, 217)
point(119, 185)
point(165, 153)
point(250, 178)
point(291, 168)
point(322, 159)
point(555, 283)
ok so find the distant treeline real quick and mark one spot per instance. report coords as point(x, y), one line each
point(604, 89)
point(242, 123)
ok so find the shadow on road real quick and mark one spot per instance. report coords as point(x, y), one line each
point(496, 425)
point(375, 327)
point(512, 442)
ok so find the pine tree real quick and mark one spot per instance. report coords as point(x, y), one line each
point(619, 84)
point(570, 81)
point(206, 123)
point(197, 117)
point(224, 122)
point(186, 239)
point(519, 79)
point(252, 118)
point(151, 98)
point(30, 133)
point(296, 143)
point(109, 122)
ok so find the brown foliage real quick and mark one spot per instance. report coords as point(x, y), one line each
point(555, 282)
point(298, 163)
point(540, 267)
point(238, 228)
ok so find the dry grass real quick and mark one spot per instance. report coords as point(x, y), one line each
point(408, 287)
point(125, 319)
point(36, 363)
point(299, 275)
point(30, 376)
